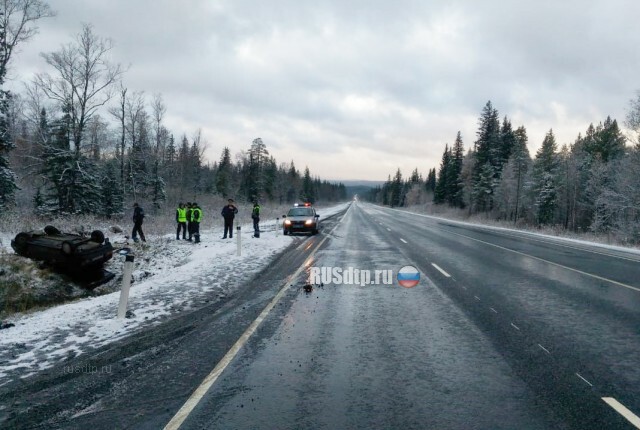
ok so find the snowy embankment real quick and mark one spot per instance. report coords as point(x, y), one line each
point(526, 232)
point(180, 276)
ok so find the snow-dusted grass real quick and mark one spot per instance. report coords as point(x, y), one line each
point(170, 276)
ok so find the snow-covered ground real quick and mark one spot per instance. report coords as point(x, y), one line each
point(171, 276)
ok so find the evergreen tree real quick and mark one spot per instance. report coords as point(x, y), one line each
point(440, 194)
point(8, 185)
point(396, 190)
point(606, 142)
point(111, 197)
point(484, 186)
point(223, 176)
point(488, 152)
point(293, 180)
point(454, 184)
point(430, 184)
point(308, 190)
point(158, 194)
point(507, 141)
point(255, 178)
point(545, 179)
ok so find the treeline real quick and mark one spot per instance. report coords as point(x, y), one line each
point(592, 184)
point(77, 141)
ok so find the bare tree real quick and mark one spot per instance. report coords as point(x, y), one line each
point(633, 117)
point(17, 21)
point(159, 110)
point(83, 81)
point(119, 112)
point(17, 24)
point(135, 116)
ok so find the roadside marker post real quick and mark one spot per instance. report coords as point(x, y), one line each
point(277, 228)
point(239, 236)
point(126, 285)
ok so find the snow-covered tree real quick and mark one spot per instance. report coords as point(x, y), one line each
point(17, 25)
point(545, 181)
point(83, 79)
point(633, 118)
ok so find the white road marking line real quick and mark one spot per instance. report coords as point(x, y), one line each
point(544, 349)
point(388, 229)
point(477, 298)
point(555, 243)
point(622, 410)
point(439, 269)
point(211, 378)
point(464, 287)
point(493, 310)
point(580, 376)
point(550, 262)
point(515, 326)
point(519, 234)
point(403, 240)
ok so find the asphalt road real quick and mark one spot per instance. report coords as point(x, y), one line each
point(504, 331)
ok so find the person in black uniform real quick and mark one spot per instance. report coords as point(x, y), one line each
point(189, 207)
point(228, 213)
point(138, 217)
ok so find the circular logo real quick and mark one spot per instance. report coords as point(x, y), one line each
point(408, 277)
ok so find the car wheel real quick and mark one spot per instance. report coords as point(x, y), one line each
point(285, 232)
point(97, 236)
point(21, 242)
point(51, 230)
point(314, 231)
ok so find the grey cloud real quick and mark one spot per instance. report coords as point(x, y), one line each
point(395, 78)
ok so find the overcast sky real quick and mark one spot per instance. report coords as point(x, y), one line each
point(355, 89)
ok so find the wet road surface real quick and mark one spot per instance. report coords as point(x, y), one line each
point(503, 331)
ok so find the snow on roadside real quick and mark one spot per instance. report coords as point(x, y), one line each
point(184, 276)
point(630, 250)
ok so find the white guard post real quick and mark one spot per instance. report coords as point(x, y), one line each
point(239, 236)
point(277, 226)
point(126, 284)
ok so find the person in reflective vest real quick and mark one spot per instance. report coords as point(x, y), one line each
point(196, 217)
point(255, 216)
point(181, 219)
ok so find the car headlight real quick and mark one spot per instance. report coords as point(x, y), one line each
point(287, 222)
point(308, 222)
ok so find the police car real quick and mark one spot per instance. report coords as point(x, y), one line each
point(300, 219)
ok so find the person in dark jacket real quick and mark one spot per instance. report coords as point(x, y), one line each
point(255, 216)
point(228, 213)
point(188, 207)
point(138, 217)
point(196, 217)
point(181, 219)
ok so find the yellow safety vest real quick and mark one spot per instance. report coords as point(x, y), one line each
point(182, 215)
point(196, 215)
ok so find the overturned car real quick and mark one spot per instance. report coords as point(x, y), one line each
point(81, 257)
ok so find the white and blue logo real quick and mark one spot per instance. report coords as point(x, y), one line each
point(408, 277)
